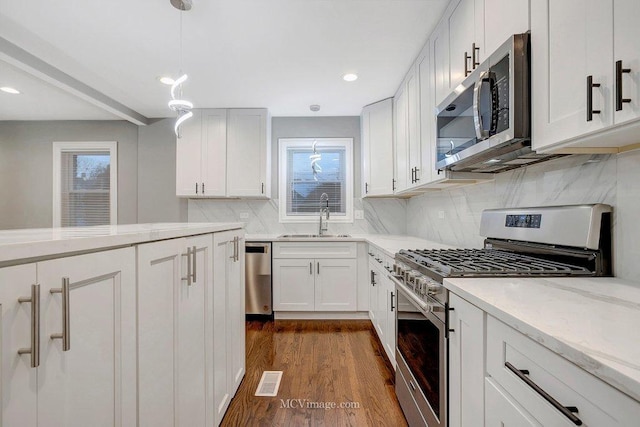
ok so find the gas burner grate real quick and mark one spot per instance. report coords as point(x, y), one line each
point(489, 262)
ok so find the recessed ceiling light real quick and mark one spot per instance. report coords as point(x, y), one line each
point(493, 161)
point(166, 80)
point(350, 77)
point(10, 90)
point(314, 108)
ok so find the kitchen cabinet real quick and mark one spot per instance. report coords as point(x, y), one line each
point(407, 134)
point(224, 153)
point(502, 19)
point(518, 364)
point(466, 39)
point(174, 283)
point(382, 302)
point(401, 149)
point(227, 301)
point(466, 362)
point(502, 411)
point(248, 153)
point(583, 100)
point(439, 43)
point(377, 149)
point(87, 376)
point(309, 276)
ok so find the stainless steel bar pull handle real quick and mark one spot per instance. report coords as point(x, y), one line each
point(189, 275)
point(590, 110)
point(318, 269)
point(475, 53)
point(194, 266)
point(65, 336)
point(310, 268)
point(467, 71)
point(34, 350)
point(619, 96)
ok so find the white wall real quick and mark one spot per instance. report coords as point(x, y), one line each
point(609, 179)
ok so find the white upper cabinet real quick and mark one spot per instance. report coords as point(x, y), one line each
point(439, 43)
point(466, 39)
point(248, 154)
point(407, 132)
point(401, 171)
point(502, 19)
point(224, 153)
point(427, 116)
point(586, 96)
point(377, 149)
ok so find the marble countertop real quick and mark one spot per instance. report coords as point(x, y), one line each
point(390, 244)
point(589, 321)
point(32, 243)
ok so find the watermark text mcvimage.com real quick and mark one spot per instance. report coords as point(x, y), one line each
point(310, 404)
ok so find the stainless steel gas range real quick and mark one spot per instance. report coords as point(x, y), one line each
point(535, 242)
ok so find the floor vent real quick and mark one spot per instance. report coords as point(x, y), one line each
point(269, 383)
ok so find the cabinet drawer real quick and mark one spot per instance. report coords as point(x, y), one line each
point(598, 403)
point(314, 250)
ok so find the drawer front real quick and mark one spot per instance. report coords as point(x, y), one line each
point(598, 403)
point(314, 250)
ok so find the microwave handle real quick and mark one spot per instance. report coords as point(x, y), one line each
point(480, 133)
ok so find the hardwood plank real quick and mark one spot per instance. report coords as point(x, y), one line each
point(324, 362)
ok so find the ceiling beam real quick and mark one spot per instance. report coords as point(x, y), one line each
point(33, 65)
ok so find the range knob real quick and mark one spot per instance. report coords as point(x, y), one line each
point(421, 285)
point(434, 287)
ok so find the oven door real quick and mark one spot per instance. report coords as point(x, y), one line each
point(421, 353)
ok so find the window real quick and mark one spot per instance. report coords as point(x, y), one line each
point(301, 189)
point(84, 183)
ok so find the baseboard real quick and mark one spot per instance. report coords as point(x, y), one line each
point(321, 315)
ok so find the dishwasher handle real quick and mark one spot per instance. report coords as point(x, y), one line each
point(252, 248)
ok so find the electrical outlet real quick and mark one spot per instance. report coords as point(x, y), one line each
point(244, 215)
point(359, 214)
point(441, 214)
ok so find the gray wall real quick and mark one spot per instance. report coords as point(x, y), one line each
point(26, 167)
point(157, 201)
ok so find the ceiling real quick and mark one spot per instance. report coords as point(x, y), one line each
point(280, 54)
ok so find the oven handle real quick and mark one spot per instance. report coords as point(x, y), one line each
point(402, 288)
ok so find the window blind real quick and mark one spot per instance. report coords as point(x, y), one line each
point(85, 188)
point(304, 190)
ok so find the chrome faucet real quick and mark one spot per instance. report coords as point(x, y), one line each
point(324, 210)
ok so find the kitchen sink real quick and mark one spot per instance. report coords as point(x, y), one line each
point(307, 236)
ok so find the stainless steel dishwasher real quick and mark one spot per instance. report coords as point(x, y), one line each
point(258, 278)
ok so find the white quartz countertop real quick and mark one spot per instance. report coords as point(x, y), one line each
point(43, 242)
point(386, 242)
point(591, 322)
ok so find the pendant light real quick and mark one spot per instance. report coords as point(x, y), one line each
point(180, 106)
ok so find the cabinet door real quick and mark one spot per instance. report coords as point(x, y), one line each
point(627, 49)
point(570, 40)
point(214, 152)
point(218, 380)
point(365, 179)
point(465, 25)
point(293, 284)
point(189, 157)
point(401, 171)
point(247, 146)
point(373, 293)
point(169, 356)
point(236, 310)
point(413, 128)
point(427, 117)
point(391, 302)
point(380, 148)
point(19, 379)
point(500, 411)
point(466, 362)
point(336, 285)
point(93, 382)
point(382, 310)
point(441, 67)
point(513, 18)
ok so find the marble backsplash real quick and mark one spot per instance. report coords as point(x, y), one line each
point(381, 216)
point(453, 216)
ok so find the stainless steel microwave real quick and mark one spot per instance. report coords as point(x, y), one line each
point(485, 124)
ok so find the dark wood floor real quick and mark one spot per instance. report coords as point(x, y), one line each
point(323, 361)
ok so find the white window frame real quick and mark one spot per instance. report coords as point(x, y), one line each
point(286, 143)
point(60, 147)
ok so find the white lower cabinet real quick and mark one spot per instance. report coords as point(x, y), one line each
point(382, 304)
point(172, 314)
point(228, 345)
point(502, 411)
point(309, 276)
point(466, 362)
point(87, 366)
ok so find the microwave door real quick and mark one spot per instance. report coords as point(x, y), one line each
point(484, 105)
